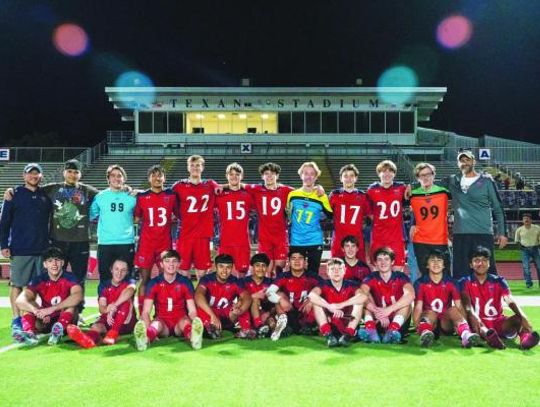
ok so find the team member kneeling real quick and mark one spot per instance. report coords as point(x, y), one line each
point(59, 292)
point(115, 300)
point(391, 297)
point(434, 311)
point(337, 305)
point(175, 314)
point(263, 300)
point(482, 295)
point(222, 300)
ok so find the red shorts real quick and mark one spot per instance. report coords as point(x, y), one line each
point(194, 252)
point(275, 249)
point(240, 255)
point(223, 314)
point(397, 246)
point(337, 251)
point(170, 323)
point(127, 326)
point(496, 324)
point(146, 256)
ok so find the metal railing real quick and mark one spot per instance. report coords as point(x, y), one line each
point(43, 154)
point(122, 137)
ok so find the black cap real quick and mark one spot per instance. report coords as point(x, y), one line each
point(73, 165)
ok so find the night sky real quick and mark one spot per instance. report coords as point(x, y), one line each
point(493, 79)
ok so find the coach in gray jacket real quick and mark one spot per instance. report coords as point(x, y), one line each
point(475, 202)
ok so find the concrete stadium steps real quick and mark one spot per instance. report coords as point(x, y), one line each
point(530, 171)
point(366, 165)
point(11, 174)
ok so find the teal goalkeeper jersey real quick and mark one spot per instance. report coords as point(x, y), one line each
point(115, 212)
point(306, 211)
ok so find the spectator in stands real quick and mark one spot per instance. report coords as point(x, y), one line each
point(498, 180)
point(520, 182)
point(506, 183)
point(528, 237)
point(24, 234)
point(475, 201)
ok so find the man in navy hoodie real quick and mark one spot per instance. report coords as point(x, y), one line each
point(24, 233)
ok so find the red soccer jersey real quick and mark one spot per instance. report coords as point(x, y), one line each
point(270, 205)
point(233, 208)
point(486, 298)
point(297, 288)
point(387, 209)
point(437, 297)
point(196, 208)
point(52, 292)
point(111, 292)
point(169, 298)
point(253, 287)
point(155, 211)
point(219, 295)
point(357, 272)
point(334, 296)
point(386, 293)
point(349, 211)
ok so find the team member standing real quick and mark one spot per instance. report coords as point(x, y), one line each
point(155, 209)
point(306, 210)
point(350, 205)
point(59, 295)
point(233, 206)
point(429, 203)
point(483, 295)
point(392, 296)
point(115, 301)
point(24, 233)
point(475, 202)
point(270, 201)
point(114, 208)
point(438, 306)
point(196, 198)
point(528, 237)
point(337, 304)
point(386, 198)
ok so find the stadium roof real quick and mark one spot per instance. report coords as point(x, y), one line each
point(128, 99)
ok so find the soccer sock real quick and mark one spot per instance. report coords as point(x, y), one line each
point(151, 333)
point(424, 326)
point(94, 335)
point(29, 323)
point(325, 329)
point(350, 331)
point(121, 315)
point(187, 331)
point(65, 318)
point(463, 329)
point(140, 300)
point(16, 322)
point(257, 322)
point(396, 323)
point(245, 321)
point(369, 323)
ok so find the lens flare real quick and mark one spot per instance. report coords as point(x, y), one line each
point(133, 79)
point(454, 31)
point(70, 40)
point(399, 76)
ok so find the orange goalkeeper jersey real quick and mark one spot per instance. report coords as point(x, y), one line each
point(430, 211)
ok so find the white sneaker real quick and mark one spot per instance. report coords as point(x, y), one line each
point(139, 332)
point(197, 329)
point(281, 323)
point(57, 331)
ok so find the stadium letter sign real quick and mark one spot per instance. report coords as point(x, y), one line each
point(4, 154)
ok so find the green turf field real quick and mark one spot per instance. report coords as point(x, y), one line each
point(296, 371)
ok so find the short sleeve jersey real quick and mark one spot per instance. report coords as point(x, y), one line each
point(430, 211)
point(156, 212)
point(233, 208)
point(169, 297)
point(437, 297)
point(196, 208)
point(486, 298)
point(297, 288)
point(349, 209)
point(388, 292)
point(387, 210)
point(111, 292)
point(52, 292)
point(221, 295)
point(306, 212)
point(115, 212)
point(334, 296)
point(358, 272)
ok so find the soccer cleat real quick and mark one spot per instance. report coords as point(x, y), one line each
point(529, 340)
point(305, 331)
point(470, 340)
point(246, 334)
point(426, 338)
point(57, 331)
point(79, 337)
point(392, 336)
point(111, 337)
point(141, 339)
point(213, 332)
point(281, 324)
point(368, 335)
point(263, 331)
point(344, 340)
point(493, 340)
point(30, 338)
point(16, 323)
point(197, 330)
point(331, 341)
